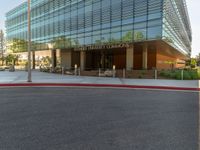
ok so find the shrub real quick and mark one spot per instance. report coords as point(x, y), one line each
point(140, 76)
point(167, 74)
point(187, 75)
point(143, 72)
point(172, 75)
point(198, 73)
point(194, 75)
point(178, 76)
point(162, 73)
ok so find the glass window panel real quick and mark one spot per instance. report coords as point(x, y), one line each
point(154, 16)
point(116, 29)
point(116, 23)
point(105, 31)
point(81, 41)
point(127, 21)
point(96, 39)
point(115, 37)
point(140, 18)
point(88, 40)
point(154, 22)
point(140, 25)
point(154, 32)
point(127, 36)
point(105, 38)
point(139, 34)
point(107, 25)
point(127, 27)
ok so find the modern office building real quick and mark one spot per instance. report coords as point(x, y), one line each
point(131, 34)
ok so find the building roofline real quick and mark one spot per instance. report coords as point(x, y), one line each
point(15, 8)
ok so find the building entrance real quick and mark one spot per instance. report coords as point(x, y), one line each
point(105, 59)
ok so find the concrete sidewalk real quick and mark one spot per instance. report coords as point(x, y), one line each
point(41, 77)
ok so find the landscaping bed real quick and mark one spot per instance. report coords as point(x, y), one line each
point(186, 74)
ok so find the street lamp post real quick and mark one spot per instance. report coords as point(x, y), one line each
point(29, 41)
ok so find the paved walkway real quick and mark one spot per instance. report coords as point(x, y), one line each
point(40, 77)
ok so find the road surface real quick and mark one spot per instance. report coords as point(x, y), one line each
point(53, 118)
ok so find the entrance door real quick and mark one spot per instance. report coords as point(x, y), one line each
point(137, 57)
point(108, 60)
point(105, 59)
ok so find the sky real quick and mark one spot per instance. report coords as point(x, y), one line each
point(193, 8)
point(5, 6)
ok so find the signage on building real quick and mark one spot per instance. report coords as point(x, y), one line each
point(99, 47)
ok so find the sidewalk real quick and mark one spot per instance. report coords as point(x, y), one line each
point(20, 77)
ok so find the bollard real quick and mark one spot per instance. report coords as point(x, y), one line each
point(79, 72)
point(75, 71)
point(124, 73)
point(99, 72)
point(50, 69)
point(114, 71)
point(63, 70)
point(182, 75)
point(156, 74)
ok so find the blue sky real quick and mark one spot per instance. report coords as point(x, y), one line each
point(193, 7)
point(5, 7)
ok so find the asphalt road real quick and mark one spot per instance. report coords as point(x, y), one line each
point(97, 119)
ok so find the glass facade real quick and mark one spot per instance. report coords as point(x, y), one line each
point(176, 25)
point(81, 23)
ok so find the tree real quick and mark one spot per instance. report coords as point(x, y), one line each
point(61, 42)
point(11, 59)
point(2, 59)
point(46, 61)
point(138, 36)
point(193, 62)
point(127, 37)
point(2, 46)
point(16, 59)
point(18, 45)
point(198, 59)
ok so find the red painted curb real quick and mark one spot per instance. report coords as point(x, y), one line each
point(97, 85)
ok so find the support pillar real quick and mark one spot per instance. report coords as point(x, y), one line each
point(33, 59)
point(83, 60)
point(53, 59)
point(66, 59)
point(102, 63)
point(144, 56)
point(129, 58)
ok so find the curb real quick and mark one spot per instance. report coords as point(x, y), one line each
point(97, 85)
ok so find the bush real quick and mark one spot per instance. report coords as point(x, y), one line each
point(167, 74)
point(162, 73)
point(140, 76)
point(194, 75)
point(58, 70)
point(188, 74)
point(45, 69)
point(198, 73)
point(2, 69)
point(178, 76)
point(143, 72)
